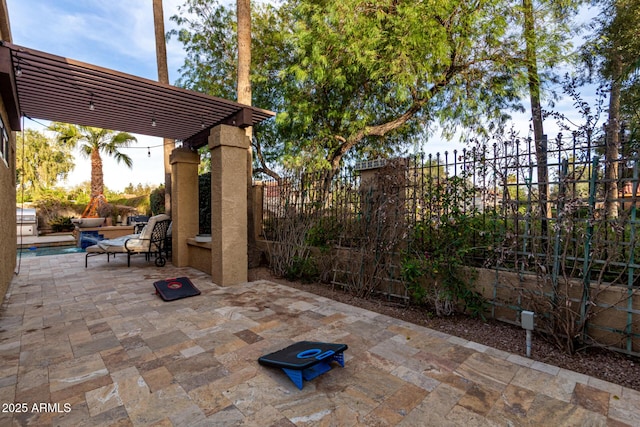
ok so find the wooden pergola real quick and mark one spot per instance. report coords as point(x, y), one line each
point(43, 86)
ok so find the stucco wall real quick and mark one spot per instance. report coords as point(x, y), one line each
point(7, 186)
point(7, 214)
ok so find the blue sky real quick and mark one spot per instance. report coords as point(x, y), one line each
point(116, 34)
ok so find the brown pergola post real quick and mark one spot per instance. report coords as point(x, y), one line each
point(228, 145)
point(184, 209)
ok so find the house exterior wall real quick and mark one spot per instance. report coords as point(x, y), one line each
point(7, 185)
point(7, 212)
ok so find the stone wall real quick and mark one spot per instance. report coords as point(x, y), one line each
point(612, 308)
point(508, 293)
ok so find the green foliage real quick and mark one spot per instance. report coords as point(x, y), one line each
point(611, 55)
point(413, 270)
point(140, 204)
point(324, 233)
point(156, 200)
point(207, 30)
point(394, 67)
point(435, 266)
point(61, 223)
point(138, 190)
point(107, 210)
point(56, 205)
point(91, 143)
point(81, 193)
point(51, 203)
point(204, 203)
point(304, 269)
point(355, 80)
point(51, 207)
point(435, 272)
point(40, 163)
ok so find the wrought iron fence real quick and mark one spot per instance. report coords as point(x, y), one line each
point(484, 203)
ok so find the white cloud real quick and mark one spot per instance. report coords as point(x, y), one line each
point(118, 34)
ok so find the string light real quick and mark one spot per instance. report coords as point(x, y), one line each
point(148, 152)
point(18, 72)
point(177, 142)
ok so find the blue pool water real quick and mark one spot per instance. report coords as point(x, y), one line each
point(57, 250)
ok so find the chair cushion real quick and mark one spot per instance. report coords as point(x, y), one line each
point(94, 249)
point(131, 242)
point(148, 229)
point(137, 245)
point(114, 245)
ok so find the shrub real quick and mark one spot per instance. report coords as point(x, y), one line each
point(204, 203)
point(303, 268)
point(324, 233)
point(434, 267)
point(61, 223)
point(156, 200)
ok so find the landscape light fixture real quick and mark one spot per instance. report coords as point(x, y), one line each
point(527, 323)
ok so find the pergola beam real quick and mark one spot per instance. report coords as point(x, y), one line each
point(60, 89)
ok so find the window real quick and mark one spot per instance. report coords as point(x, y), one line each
point(4, 143)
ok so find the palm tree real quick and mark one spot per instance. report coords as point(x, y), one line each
point(243, 12)
point(91, 142)
point(163, 77)
point(243, 94)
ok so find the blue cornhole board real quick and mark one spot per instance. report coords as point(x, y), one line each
point(305, 360)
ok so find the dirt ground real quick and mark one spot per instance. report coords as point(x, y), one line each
point(600, 363)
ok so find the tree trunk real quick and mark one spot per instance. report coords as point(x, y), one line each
point(612, 141)
point(244, 51)
point(97, 177)
point(163, 77)
point(540, 139)
point(243, 89)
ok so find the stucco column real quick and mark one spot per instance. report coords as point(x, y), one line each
point(228, 145)
point(184, 202)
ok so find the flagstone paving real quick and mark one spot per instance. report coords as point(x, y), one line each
point(97, 347)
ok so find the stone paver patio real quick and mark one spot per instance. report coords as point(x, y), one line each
point(97, 347)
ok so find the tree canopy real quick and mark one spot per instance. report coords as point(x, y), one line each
point(41, 161)
point(91, 142)
point(612, 56)
point(356, 79)
point(370, 74)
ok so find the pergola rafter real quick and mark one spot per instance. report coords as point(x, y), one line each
point(51, 87)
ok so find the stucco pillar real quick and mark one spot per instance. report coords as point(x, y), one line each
point(184, 202)
point(228, 145)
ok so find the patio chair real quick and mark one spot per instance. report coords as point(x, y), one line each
point(152, 240)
